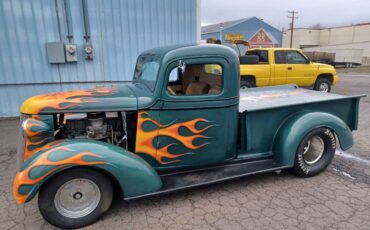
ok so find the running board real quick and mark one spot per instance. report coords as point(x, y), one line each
point(194, 178)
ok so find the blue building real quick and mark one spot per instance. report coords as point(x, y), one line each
point(56, 45)
point(257, 32)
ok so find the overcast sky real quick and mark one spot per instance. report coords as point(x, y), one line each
point(275, 12)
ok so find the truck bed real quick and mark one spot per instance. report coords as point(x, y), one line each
point(282, 96)
point(263, 110)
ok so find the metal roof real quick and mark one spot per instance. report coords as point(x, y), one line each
point(216, 27)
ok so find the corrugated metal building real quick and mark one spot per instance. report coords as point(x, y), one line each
point(118, 31)
point(257, 32)
point(349, 43)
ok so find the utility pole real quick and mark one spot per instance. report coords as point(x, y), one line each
point(292, 16)
point(221, 28)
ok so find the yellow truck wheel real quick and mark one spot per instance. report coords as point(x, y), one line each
point(247, 82)
point(322, 85)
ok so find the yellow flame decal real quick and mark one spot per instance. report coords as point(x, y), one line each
point(63, 100)
point(145, 139)
point(23, 177)
point(35, 140)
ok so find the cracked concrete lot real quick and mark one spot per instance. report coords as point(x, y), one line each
point(339, 198)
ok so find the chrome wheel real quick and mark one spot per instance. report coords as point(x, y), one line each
point(313, 150)
point(324, 87)
point(77, 198)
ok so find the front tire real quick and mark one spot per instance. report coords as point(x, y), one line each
point(323, 85)
point(75, 198)
point(315, 152)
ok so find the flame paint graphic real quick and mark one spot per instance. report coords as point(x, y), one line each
point(23, 177)
point(63, 100)
point(37, 136)
point(145, 139)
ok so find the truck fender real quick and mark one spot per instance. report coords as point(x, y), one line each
point(297, 126)
point(133, 175)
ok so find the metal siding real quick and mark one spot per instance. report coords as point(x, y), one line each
point(120, 30)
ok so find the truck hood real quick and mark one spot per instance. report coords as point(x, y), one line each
point(125, 97)
point(323, 66)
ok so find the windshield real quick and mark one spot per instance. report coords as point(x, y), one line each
point(146, 70)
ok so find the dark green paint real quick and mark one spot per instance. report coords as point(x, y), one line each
point(271, 124)
point(300, 124)
point(134, 175)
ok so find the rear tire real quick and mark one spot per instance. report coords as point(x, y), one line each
point(247, 82)
point(75, 198)
point(315, 152)
point(323, 85)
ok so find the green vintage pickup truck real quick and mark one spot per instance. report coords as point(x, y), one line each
point(176, 126)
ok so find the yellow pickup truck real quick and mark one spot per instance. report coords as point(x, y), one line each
point(278, 66)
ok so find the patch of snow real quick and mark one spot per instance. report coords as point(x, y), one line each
point(352, 157)
point(347, 175)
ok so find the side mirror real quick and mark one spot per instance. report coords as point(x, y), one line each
point(181, 67)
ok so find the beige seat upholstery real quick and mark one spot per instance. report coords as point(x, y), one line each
point(197, 88)
point(215, 89)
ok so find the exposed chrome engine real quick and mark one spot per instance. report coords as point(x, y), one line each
point(97, 127)
point(103, 126)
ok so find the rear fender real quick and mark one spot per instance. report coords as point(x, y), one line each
point(134, 175)
point(299, 125)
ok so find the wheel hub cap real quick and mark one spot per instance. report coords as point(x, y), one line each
point(324, 87)
point(77, 198)
point(313, 150)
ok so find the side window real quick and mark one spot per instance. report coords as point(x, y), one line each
point(280, 57)
point(294, 57)
point(196, 79)
point(262, 55)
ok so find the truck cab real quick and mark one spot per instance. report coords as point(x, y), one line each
point(198, 99)
point(182, 122)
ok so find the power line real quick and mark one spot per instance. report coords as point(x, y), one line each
point(292, 16)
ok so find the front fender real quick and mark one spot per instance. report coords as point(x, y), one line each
point(134, 175)
point(299, 125)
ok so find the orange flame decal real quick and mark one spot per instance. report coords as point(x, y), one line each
point(63, 100)
point(23, 177)
point(37, 136)
point(145, 139)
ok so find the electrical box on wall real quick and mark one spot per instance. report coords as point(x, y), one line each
point(88, 49)
point(55, 52)
point(71, 52)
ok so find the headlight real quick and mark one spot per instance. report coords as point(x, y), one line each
point(33, 127)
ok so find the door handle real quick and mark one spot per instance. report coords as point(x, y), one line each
point(290, 68)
